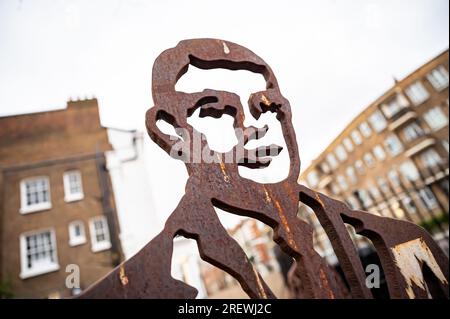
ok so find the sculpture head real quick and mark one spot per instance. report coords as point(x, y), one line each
point(175, 107)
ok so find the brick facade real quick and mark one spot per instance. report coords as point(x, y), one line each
point(50, 144)
point(423, 137)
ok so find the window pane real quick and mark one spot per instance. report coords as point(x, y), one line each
point(359, 166)
point(37, 191)
point(313, 179)
point(409, 205)
point(409, 171)
point(40, 250)
point(365, 129)
point(350, 171)
point(393, 106)
point(325, 168)
point(438, 78)
point(342, 182)
point(100, 231)
point(430, 158)
point(428, 198)
point(364, 197)
point(436, 118)
point(348, 144)
point(332, 160)
point(417, 93)
point(379, 152)
point(412, 132)
point(370, 161)
point(341, 153)
point(357, 139)
point(378, 121)
point(73, 184)
point(393, 177)
point(393, 145)
point(374, 191)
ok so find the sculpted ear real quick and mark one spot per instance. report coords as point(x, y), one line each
point(158, 122)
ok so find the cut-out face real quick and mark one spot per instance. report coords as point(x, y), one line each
point(267, 157)
point(248, 146)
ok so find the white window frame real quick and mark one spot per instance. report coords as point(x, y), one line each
point(430, 158)
point(442, 71)
point(369, 159)
point(353, 202)
point(68, 195)
point(24, 207)
point(356, 137)
point(436, 118)
point(342, 182)
point(332, 161)
point(445, 145)
point(412, 131)
point(335, 189)
point(382, 184)
point(428, 198)
point(394, 177)
point(365, 129)
point(75, 240)
point(359, 165)
point(374, 191)
point(395, 139)
point(348, 144)
point(312, 178)
point(325, 167)
point(379, 152)
point(340, 152)
point(378, 121)
point(410, 205)
point(417, 93)
point(351, 174)
point(365, 198)
point(392, 107)
point(27, 273)
point(409, 170)
point(97, 246)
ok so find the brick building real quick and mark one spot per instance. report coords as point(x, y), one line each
point(56, 201)
point(392, 159)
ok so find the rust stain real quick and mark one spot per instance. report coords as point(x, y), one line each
point(123, 277)
point(261, 290)
point(319, 200)
point(283, 219)
point(324, 281)
point(226, 178)
point(408, 258)
point(293, 195)
point(267, 197)
point(265, 100)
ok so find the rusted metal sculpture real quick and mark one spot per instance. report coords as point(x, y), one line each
point(404, 248)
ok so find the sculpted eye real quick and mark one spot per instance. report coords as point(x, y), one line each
point(216, 128)
point(214, 107)
point(266, 101)
point(203, 101)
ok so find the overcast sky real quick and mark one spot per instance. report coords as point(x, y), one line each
point(332, 57)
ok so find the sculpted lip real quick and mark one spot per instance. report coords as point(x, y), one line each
point(260, 157)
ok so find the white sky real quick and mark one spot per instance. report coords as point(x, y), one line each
point(332, 57)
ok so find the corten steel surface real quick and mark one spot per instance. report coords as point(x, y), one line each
point(404, 248)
